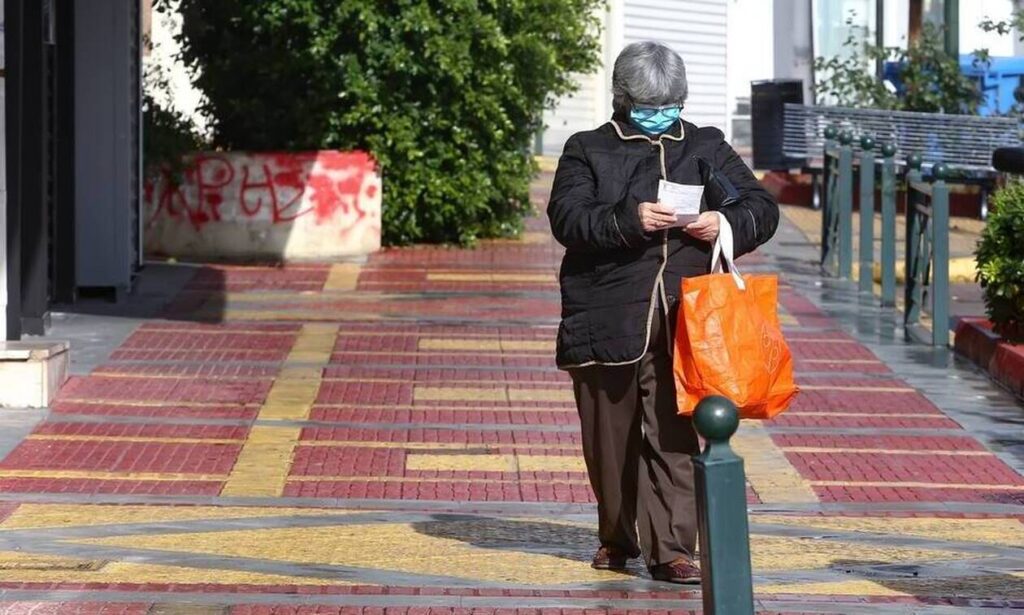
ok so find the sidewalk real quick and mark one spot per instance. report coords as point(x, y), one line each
point(392, 439)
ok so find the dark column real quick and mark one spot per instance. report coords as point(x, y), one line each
point(63, 244)
point(13, 44)
point(35, 172)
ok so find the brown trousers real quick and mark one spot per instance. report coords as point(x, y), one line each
point(638, 454)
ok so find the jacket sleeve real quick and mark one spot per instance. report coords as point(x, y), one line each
point(755, 217)
point(578, 220)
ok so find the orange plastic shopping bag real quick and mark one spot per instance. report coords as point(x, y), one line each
point(729, 342)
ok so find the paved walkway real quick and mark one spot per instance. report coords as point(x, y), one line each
point(392, 439)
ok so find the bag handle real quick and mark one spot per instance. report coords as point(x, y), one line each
point(722, 253)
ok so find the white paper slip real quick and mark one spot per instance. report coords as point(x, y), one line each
point(684, 199)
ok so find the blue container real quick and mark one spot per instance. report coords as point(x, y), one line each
point(998, 79)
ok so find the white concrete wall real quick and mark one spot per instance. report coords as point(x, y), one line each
point(972, 37)
point(301, 205)
point(750, 49)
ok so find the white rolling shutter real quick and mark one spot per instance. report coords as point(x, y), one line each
point(696, 30)
point(574, 113)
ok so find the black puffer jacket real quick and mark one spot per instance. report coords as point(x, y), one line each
point(611, 268)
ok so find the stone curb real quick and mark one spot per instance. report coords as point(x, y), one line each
point(1003, 361)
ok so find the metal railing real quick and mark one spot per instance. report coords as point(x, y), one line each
point(926, 259)
point(967, 141)
point(837, 204)
point(926, 270)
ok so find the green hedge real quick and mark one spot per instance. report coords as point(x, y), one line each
point(446, 94)
point(1000, 257)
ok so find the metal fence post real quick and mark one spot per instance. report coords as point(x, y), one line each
point(828, 182)
point(844, 191)
point(866, 255)
point(726, 583)
point(939, 287)
point(911, 291)
point(888, 256)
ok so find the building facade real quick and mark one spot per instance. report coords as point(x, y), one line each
point(696, 29)
point(72, 160)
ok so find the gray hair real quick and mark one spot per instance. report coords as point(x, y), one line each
point(648, 73)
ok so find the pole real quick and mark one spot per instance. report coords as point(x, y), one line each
point(951, 23)
point(879, 36)
point(940, 259)
point(726, 581)
point(888, 259)
point(914, 21)
point(866, 251)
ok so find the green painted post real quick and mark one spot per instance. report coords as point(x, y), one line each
point(726, 583)
point(940, 253)
point(911, 293)
point(866, 251)
point(888, 256)
point(845, 204)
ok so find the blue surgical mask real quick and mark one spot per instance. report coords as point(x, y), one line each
point(654, 120)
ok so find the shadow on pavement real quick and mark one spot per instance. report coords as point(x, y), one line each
point(169, 291)
point(922, 583)
point(570, 542)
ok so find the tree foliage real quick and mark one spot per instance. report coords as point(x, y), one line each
point(446, 94)
point(931, 79)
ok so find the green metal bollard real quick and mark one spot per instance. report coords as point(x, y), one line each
point(940, 256)
point(844, 199)
point(866, 256)
point(888, 225)
point(726, 583)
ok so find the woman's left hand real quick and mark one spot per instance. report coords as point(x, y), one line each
point(705, 227)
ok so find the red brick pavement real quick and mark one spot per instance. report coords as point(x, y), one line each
point(171, 373)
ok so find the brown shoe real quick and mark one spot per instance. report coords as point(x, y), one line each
point(609, 559)
point(680, 570)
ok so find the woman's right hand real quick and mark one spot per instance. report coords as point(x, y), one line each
point(656, 217)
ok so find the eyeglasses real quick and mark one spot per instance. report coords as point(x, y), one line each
point(646, 112)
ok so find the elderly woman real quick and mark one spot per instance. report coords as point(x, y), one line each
point(620, 279)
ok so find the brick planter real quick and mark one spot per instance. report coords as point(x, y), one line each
point(1003, 360)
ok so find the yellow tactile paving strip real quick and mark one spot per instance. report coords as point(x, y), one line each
point(768, 471)
point(343, 277)
point(265, 460)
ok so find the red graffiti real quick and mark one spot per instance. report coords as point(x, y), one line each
point(278, 188)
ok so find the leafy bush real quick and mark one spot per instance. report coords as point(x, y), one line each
point(1000, 258)
point(931, 78)
point(446, 94)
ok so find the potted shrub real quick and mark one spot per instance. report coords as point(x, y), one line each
point(1000, 258)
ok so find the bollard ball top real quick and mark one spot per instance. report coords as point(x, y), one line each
point(831, 132)
point(941, 171)
point(716, 418)
point(914, 161)
point(867, 143)
point(888, 150)
point(845, 137)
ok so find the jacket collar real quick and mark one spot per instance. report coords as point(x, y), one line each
point(628, 132)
